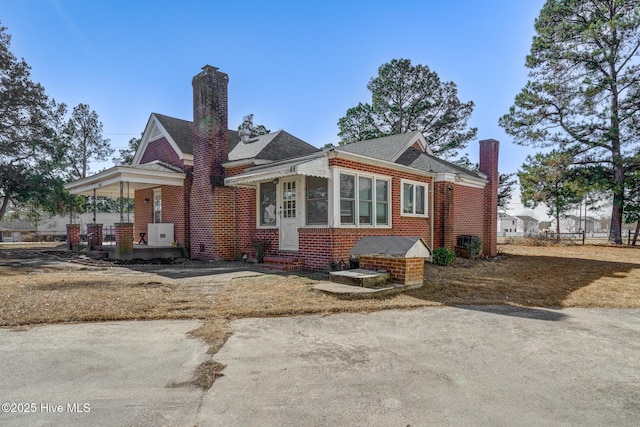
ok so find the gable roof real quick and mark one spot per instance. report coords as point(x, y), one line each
point(278, 145)
point(430, 163)
point(527, 218)
point(388, 148)
point(181, 131)
point(16, 225)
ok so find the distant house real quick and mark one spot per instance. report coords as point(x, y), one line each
point(507, 223)
point(528, 224)
point(576, 224)
point(221, 193)
point(14, 231)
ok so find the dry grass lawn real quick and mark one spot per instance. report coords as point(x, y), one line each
point(37, 288)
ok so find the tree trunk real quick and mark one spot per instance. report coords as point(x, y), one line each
point(3, 208)
point(557, 226)
point(615, 231)
point(635, 235)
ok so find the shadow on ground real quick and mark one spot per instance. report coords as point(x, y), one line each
point(523, 312)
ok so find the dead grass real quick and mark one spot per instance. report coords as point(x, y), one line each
point(37, 289)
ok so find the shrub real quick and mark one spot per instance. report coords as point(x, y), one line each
point(443, 256)
point(475, 249)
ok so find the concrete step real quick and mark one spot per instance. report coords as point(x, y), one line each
point(360, 277)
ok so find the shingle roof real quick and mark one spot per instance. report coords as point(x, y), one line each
point(429, 163)
point(180, 130)
point(182, 133)
point(387, 148)
point(17, 225)
point(274, 146)
point(285, 146)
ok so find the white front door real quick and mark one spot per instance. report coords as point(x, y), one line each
point(289, 216)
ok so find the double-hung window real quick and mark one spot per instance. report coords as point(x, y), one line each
point(414, 198)
point(364, 200)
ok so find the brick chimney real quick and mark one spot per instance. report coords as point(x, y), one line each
point(210, 150)
point(210, 136)
point(489, 166)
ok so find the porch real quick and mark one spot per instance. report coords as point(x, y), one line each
point(149, 237)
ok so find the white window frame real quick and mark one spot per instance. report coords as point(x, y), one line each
point(317, 225)
point(157, 202)
point(259, 224)
point(426, 198)
point(357, 175)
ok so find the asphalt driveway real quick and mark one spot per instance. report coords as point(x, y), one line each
point(437, 366)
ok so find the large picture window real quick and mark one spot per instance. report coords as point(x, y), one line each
point(414, 198)
point(317, 199)
point(364, 200)
point(268, 204)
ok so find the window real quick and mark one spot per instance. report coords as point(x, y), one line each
point(414, 198)
point(317, 199)
point(268, 204)
point(382, 202)
point(347, 199)
point(365, 193)
point(157, 205)
point(364, 200)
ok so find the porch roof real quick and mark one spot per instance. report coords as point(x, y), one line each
point(315, 164)
point(107, 182)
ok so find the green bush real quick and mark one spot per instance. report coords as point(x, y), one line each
point(474, 248)
point(443, 256)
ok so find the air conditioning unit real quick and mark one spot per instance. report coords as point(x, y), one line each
point(160, 234)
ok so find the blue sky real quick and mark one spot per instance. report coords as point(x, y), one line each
point(296, 66)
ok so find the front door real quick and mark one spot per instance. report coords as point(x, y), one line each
point(289, 216)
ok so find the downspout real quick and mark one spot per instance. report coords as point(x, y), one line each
point(432, 201)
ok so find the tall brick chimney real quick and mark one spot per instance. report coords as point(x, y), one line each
point(489, 166)
point(210, 122)
point(209, 219)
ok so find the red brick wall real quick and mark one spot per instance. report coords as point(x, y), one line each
point(468, 217)
point(402, 225)
point(143, 211)
point(173, 211)
point(409, 271)
point(160, 149)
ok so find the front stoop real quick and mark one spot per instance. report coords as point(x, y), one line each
point(360, 277)
point(357, 292)
point(281, 263)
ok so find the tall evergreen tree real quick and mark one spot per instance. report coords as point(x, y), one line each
point(31, 148)
point(547, 179)
point(405, 98)
point(85, 141)
point(583, 96)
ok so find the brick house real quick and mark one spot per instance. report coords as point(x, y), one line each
point(225, 193)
